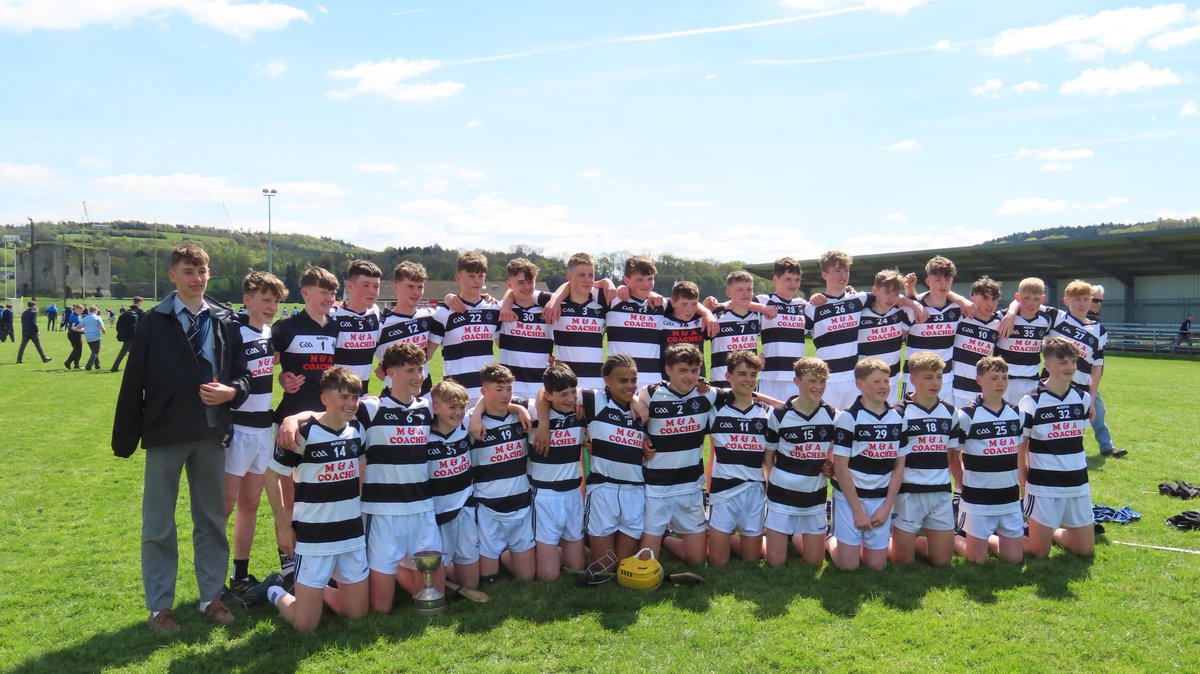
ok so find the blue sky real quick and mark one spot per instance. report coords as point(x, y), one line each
point(727, 130)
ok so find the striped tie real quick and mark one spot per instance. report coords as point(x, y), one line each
point(196, 338)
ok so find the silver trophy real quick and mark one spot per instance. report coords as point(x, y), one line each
point(430, 601)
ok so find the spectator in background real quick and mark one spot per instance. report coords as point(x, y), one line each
point(74, 335)
point(29, 332)
point(1185, 331)
point(93, 331)
point(6, 323)
point(126, 328)
point(52, 317)
point(1099, 425)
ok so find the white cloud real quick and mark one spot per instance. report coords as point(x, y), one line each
point(437, 185)
point(910, 238)
point(1083, 51)
point(376, 168)
point(590, 173)
point(241, 20)
point(684, 203)
point(404, 184)
point(1188, 109)
point(886, 6)
point(1029, 85)
point(274, 68)
point(989, 89)
point(307, 189)
point(470, 175)
point(1115, 30)
point(439, 207)
point(1177, 38)
point(322, 9)
point(1031, 205)
point(94, 162)
point(895, 217)
point(25, 174)
point(177, 186)
point(1133, 77)
point(1107, 203)
point(391, 78)
point(944, 45)
point(1055, 154)
point(910, 144)
point(474, 124)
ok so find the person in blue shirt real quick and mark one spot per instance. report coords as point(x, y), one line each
point(52, 317)
point(74, 328)
point(93, 331)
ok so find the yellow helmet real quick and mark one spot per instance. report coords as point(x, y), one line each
point(638, 573)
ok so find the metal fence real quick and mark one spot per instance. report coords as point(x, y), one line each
point(1151, 337)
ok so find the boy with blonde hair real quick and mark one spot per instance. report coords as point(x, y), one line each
point(974, 338)
point(1020, 345)
point(868, 463)
point(449, 469)
point(632, 325)
point(936, 332)
point(358, 320)
point(884, 324)
point(925, 502)
point(407, 321)
point(834, 327)
point(738, 325)
point(799, 445)
point(576, 313)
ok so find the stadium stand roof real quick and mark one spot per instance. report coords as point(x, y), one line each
point(1120, 254)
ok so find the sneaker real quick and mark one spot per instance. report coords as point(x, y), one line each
point(1114, 453)
point(163, 622)
point(242, 585)
point(217, 613)
point(258, 594)
point(46, 359)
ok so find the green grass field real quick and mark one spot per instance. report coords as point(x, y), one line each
point(71, 593)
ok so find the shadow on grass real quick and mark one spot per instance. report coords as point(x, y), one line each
point(262, 642)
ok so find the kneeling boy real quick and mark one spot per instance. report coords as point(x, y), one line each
point(555, 476)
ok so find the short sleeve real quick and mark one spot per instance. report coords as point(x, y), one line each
point(437, 326)
point(772, 436)
point(843, 434)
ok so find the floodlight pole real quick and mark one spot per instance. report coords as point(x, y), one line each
point(269, 194)
point(32, 273)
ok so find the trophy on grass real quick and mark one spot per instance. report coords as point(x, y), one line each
point(429, 600)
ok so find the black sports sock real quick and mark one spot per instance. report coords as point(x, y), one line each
point(241, 568)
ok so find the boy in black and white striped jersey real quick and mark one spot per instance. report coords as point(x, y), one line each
point(990, 437)
point(526, 341)
point(556, 475)
point(1058, 500)
point(252, 443)
point(466, 337)
point(576, 315)
point(324, 529)
point(407, 321)
point(783, 333)
point(358, 320)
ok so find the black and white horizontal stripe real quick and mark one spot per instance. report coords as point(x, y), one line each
point(797, 485)
point(872, 443)
point(560, 468)
point(396, 481)
point(882, 335)
point(989, 441)
point(834, 329)
point(358, 336)
point(579, 338)
point(935, 334)
point(449, 469)
point(306, 349)
point(1022, 349)
point(1091, 339)
point(632, 327)
point(929, 434)
point(1054, 426)
point(675, 331)
point(973, 339)
point(395, 327)
point(736, 332)
point(526, 344)
point(618, 439)
point(254, 414)
point(677, 425)
point(739, 438)
point(466, 340)
point(499, 464)
point(782, 337)
point(327, 516)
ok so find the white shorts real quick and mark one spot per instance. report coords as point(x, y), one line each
point(392, 539)
point(503, 531)
point(460, 538)
point(797, 525)
point(742, 512)
point(931, 511)
point(682, 514)
point(841, 394)
point(344, 567)
point(1009, 525)
point(1019, 388)
point(614, 507)
point(848, 534)
point(779, 390)
point(557, 516)
point(249, 452)
point(1068, 512)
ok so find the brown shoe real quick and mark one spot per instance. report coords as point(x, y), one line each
point(217, 613)
point(163, 622)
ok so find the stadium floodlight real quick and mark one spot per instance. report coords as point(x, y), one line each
point(269, 193)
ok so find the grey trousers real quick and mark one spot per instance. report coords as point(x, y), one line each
point(205, 465)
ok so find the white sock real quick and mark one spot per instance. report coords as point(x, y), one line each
point(204, 605)
point(154, 614)
point(274, 593)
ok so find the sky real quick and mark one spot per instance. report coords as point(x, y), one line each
point(723, 130)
